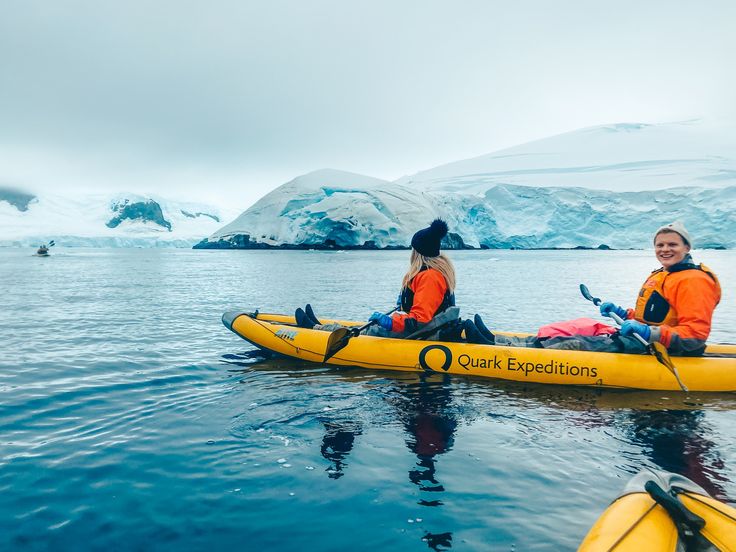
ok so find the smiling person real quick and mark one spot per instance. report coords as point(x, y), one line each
point(674, 307)
point(676, 303)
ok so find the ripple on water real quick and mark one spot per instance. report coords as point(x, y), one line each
point(131, 415)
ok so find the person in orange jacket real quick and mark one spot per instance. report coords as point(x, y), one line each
point(427, 289)
point(674, 307)
point(676, 303)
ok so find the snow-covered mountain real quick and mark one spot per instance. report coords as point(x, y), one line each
point(620, 158)
point(608, 185)
point(123, 219)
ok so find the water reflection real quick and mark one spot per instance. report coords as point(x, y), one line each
point(678, 441)
point(424, 408)
point(337, 443)
point(671, 431)
point(438, 541)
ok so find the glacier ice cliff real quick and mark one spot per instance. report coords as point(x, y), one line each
point(605, 186)
point(505, 216)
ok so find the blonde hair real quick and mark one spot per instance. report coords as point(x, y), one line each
point(441, 264)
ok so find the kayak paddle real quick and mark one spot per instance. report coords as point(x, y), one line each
point(339, 338)
point(657, 349)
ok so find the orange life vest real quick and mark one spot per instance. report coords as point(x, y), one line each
point(652, 307)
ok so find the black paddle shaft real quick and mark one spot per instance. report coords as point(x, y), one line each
point(354, 332)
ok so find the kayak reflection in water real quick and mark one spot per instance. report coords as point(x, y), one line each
point(674, 307)
point(426, 304)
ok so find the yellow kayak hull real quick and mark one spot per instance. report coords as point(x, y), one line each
point(635, 522)
point(278, 333)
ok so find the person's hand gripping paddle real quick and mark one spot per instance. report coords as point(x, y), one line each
point(657, 349)
point(340, 337)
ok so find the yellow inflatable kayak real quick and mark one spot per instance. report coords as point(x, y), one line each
point(279, 334)
point(662, 511)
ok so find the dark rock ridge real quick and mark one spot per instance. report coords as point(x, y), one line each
point(19, 200)
point(243, 241)
point(146, 211)
point(195, 215)
point(450, 242)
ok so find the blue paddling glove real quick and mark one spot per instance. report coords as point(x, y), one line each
point(607, 308)
point(382, 320)
point(631, 327)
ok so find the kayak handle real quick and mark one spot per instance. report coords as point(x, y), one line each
point(688, 524)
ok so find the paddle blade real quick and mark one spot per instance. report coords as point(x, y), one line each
point(586, 293)
point(660, 351)
point(338, 339)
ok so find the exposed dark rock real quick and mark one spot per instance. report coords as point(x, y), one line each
point(195, 215)
point(453, 241)
point(19, 200)
point(147, 211)
point(243, 241)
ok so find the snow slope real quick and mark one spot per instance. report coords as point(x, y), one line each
point(621, 157)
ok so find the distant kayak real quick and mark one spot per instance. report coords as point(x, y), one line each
point(43, 250)
point(662, 511)
point(716, 371)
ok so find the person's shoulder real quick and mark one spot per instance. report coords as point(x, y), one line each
point(430, 274)
point(694, 274)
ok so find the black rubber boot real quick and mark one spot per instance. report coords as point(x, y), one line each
point(488, 334)
point(302, 320)
point(473, 335)
point(310, 314)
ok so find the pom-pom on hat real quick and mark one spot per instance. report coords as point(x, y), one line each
point(677, 227)
point(427, 241)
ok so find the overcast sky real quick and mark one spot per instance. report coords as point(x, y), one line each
point(230, 98)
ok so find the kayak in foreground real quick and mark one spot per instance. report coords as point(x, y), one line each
point(279, 334)
point(662, 511)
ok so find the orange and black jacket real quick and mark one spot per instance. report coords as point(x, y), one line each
point(678, 304)
point(426, 296)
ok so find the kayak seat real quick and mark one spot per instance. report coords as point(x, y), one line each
point(431, 330)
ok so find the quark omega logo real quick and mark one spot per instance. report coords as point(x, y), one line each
point(286, 335)
point(435, 358)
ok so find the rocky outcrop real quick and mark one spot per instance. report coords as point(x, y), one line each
point(19, 200)
point(146, 211)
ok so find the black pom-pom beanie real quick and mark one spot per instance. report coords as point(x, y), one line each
point(427, 241)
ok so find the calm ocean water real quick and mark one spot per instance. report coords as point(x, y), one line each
point(132, 419)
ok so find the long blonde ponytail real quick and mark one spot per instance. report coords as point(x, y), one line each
point(441, 264)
